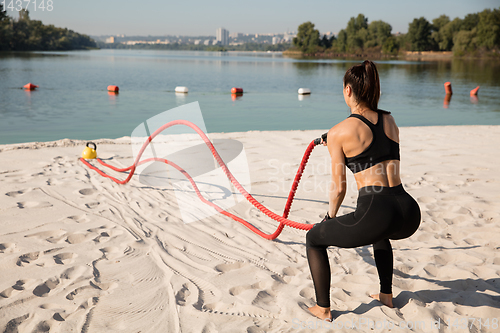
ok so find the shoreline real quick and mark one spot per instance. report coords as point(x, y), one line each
point(66, 142)
point(402, 56)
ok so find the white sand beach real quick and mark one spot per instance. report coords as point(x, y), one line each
point(80, 253)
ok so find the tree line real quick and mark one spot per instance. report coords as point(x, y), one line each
point(24, 34)
point(475, 33)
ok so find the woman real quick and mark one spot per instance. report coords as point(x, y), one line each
point(367, 142)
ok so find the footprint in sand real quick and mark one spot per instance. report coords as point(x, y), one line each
point(266, 299)
point(46, 261)
point(290, 271)
point(102, 237)
point(239, 289)
point(78, 218)
point(51, 236)
point(33, 204)
point(18, 287)
point(182, 295)
point(44, 289)
point(210, 328)
point(54, 182)
point(13, 324)
point(14, 194)
point(224, 268)
point(488, 215)
point(8, 248)
point(426, 200)
point(307, 292)
point(111, 252)
point(77, 238)
point(99, 235)
point(65, 258)
point(92, 205)
point(28, 258)
point(104, 233)
point(90, 295)
point(87, 191)
point(71, 274)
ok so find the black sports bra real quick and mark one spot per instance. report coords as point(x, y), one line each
point(380, 149)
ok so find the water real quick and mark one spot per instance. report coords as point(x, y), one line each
point(72, 101)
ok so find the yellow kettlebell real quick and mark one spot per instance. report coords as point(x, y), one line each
point(89, 153)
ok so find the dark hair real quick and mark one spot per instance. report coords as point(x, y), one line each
point(365, 83)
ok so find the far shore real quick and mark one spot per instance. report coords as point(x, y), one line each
point(406, 55)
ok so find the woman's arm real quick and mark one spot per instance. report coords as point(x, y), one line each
point(338, 184)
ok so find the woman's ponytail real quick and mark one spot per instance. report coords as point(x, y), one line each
point(365, 83)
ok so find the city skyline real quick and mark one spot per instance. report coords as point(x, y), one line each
point(155, 17)
point(222, 36)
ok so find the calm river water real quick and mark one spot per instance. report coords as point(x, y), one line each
point(72, 101)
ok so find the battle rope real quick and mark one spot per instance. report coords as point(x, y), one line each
point(283, 220)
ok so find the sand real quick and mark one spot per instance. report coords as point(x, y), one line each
point(79, 253)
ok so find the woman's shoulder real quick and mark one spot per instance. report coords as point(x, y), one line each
point(391, 128)
point(389, 119)
point(343, 129)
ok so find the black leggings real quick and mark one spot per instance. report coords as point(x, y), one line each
point(382, 213)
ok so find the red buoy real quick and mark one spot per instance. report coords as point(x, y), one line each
point(235, 97)
point(447, 100)
point(474, 91)
point(113, 88)
point(30, 86)
point(236, 90)
point(447, 88)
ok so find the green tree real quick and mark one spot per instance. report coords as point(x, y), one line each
point(488, 29)
point(470, 21)
point(357, 33)
point(5, 31)
point(419, 33)
point(3, 14)
point(391, 45)
point(378, 32)
point(307, 39)
point(25, 34)
point(356, 42)
point(440, 41)
point(356, 23)
point(465, 42)
point(326, 42)
point(440, 22)
point(340, 44)
point(447, 33)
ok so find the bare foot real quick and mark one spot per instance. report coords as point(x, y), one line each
point(385, 299)
point(320, 312)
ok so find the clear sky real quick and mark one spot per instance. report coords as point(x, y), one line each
point(203, 17)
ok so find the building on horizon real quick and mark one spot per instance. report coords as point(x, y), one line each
point(110, 40)
point(288, 36)
point(222, 36)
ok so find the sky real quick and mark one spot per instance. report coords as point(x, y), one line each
point(203, 17)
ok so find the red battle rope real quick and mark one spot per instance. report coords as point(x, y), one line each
point(281, 219)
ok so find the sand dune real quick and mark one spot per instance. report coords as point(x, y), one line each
point(80, 253)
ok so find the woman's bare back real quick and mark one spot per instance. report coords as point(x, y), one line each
point(356, 139)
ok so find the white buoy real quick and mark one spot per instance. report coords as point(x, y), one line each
point(181, 90)
point(304, 91)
